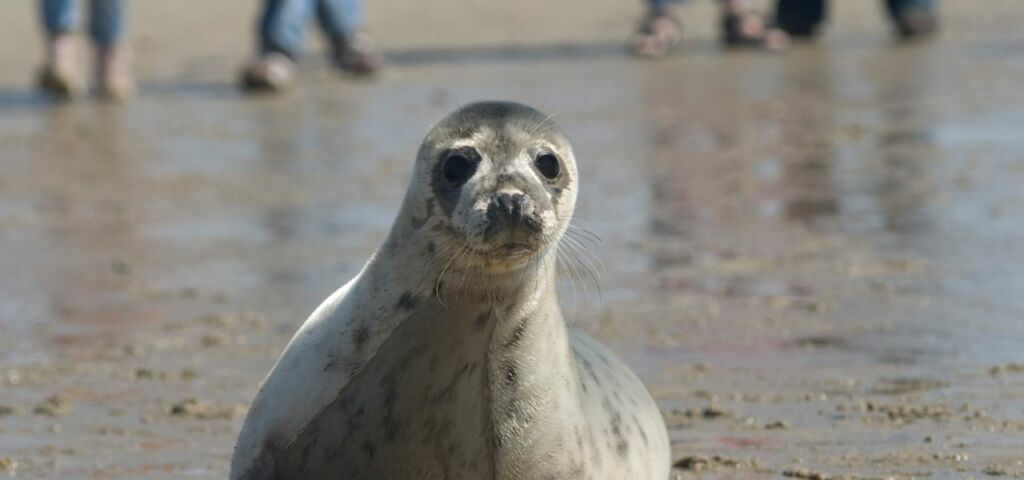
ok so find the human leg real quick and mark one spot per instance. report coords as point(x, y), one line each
point(106, 27)
point(351, 50)
point(281, 30)
point(58, 76)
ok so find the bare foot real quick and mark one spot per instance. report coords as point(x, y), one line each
point(59, 77)
point(114, 73)
point(659, 33)
point(741, 27)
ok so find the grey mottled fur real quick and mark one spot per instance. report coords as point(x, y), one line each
point(447, 356)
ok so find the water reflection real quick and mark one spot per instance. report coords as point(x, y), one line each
point(280, 149)
point(306, 144)
point(776, 153)
point(762, 163)
point(85, 259)
point(904, 180)
point(807, 184)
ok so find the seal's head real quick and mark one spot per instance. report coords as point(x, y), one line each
point(504, 179)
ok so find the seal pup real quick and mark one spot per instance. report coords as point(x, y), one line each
point(447, 356)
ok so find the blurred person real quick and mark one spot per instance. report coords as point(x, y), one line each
point(910, 18)
point(661, 30)
point(59, 75)
point(281, 33)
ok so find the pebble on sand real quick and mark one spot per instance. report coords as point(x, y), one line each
point(53, 406)
point(198, 409)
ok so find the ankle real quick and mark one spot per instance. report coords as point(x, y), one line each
point(113, 59)
point(60, 49)
point(735, 7)
point(667, 9)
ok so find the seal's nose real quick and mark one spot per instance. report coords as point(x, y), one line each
point(511, 206)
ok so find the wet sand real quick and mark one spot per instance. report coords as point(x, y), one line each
point(813, 259)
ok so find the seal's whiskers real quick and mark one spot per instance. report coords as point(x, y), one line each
point(440, 276)
point(583, 258)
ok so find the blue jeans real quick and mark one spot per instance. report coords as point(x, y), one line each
point(283, 24)
point(106, 19)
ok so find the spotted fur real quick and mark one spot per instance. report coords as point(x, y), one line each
point(447, 356)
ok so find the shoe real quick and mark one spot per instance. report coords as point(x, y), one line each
point(356, 54)
point(915, 22)
point(800, 19)
point(271, 72)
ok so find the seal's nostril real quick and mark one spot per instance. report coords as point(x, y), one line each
point(511, 205)
point(518, 202)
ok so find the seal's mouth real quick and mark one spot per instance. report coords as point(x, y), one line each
point(513, 240)
point(506, 249)
point(504, 255)
point(520, 231)
point(510, 233)
point(514, 249)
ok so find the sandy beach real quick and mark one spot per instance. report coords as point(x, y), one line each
point(813, 258)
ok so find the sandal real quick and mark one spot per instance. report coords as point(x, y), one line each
point(740, 30)
point(659, 34)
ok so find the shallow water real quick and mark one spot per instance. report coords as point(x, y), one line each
point(830, 239)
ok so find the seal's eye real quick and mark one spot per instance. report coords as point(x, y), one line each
point(457, 168)
point(547, 164)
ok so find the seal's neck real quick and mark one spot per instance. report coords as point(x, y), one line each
point(510, 325)
point(534, 386)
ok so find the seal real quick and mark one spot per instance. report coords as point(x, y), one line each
point(447, 356)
